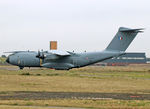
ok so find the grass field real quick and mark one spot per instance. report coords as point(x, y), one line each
point(125, 80)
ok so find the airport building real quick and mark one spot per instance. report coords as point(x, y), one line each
point(148, 60)
point(128, 58)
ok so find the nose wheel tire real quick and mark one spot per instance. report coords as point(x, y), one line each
point(21, 68)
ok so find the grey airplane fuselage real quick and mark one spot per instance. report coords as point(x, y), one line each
point(29, 59)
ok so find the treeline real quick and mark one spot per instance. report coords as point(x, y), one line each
point(3, 61)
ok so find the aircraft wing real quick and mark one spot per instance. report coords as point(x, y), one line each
point(14, 51)
point(54, 54)
point(60, 53)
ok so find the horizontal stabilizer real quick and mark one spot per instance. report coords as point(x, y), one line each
point(123, 29)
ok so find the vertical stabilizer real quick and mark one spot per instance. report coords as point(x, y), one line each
point(122, 39)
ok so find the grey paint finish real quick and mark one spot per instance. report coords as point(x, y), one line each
point(24, 59)
point(118, 45)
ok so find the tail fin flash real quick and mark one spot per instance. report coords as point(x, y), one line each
point(123, 38)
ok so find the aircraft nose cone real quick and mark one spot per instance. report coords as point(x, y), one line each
point(7, 60)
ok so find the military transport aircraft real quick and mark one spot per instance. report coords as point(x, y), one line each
point(65, 60)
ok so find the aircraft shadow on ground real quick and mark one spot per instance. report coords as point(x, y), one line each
point(30, 95)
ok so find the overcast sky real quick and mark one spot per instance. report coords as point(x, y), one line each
point(76, 24)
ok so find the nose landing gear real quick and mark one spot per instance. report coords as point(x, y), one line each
point(21, 68)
